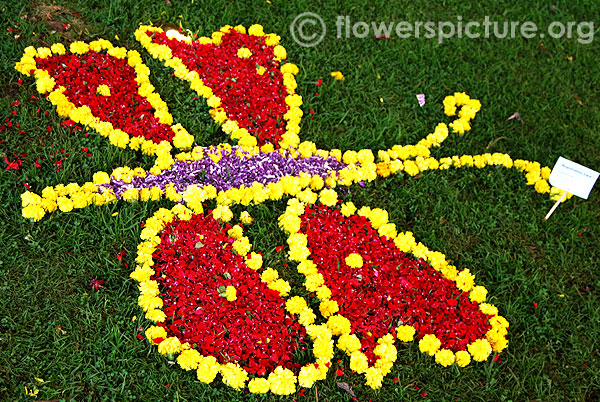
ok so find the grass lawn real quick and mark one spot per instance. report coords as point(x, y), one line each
point(543, 276)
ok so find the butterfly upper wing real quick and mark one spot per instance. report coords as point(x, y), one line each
point(106, 88)
point(249, 88)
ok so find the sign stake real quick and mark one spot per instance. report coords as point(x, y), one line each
point(556, 204)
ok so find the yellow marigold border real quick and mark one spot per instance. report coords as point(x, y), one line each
point(162, 52)
point(478, 350)
point(281, 381)
point(65, 108)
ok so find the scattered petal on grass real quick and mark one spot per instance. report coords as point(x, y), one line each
point(515, 115)
point(338, 76)
point(96, 284)
point(346, 387)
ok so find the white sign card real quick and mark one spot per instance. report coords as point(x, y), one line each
point(573, 177)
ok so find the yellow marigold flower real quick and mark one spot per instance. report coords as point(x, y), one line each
point(299, 253)
point(290, 222)
point(463, 358)
point(500, 344)
point(314, 281)
point(289, 68)
point(279, 52)
point(306, 316)
point(328, 308)
point(293, 100)
point(429, 344)
point(282, 381)
point(411, 168)
point(118, 52)
point(142, 273)
point(295, 304)
point(155, 193)
point(445, 357)
point(231, 293)
point(259, 385)
point(256, 30)
point(317, 182)
point(79, 47)
point(58, 48)
point(184, 213)
point(155, 332)
point(242, 245)
point(182, 139)
point(149, 288)
point(149, 302)
point(323, 293)
point(354, 260)
point(130, 195)
point(499, 322)
point(339, 325)
point(488, 309)
point(349, 343)
point(45, 84)
point(260, 70)
point(358, 362)
point(542, 186)
point(269, 275)
point(338, 76)
point(48, 193)
point(348, 208)
point(245, 218)
point(405, 333)
point(465, 280)
point(281, 286)
point(388, 230)
point(48, 205)
point(308, 376)
point(328, 197)
point(478, 294)
point(244, 53)
point(234, 375)
point(29, 198)
point(101, 178)
point(374, 378)
point(480, 349)
point(240, 29)
point(103, 90)
point(156, 315)
point(295, 206)
point(208, 368)
point(236, 232)
point(64, 204)
point(307, 267)
point(34, 212)
point(189, 359)
point(255, 261)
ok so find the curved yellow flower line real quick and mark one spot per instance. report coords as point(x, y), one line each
point(231, 127)
point(281, 381)
point(339, 325)
point(46, 84)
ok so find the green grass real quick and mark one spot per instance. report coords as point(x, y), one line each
point(83, 342)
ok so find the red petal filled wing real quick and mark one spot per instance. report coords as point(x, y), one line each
point(241, 77)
